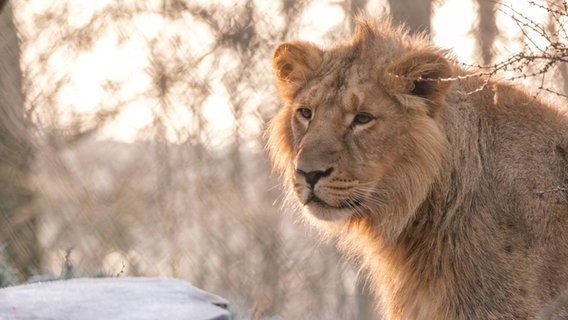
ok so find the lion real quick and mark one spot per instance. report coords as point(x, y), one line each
point(449, 188)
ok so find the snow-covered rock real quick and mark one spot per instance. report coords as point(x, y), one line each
point(111, 298)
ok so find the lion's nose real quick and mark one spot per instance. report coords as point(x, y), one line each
point(313, 177)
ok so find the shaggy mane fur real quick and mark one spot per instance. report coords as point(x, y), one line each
point(424, 180)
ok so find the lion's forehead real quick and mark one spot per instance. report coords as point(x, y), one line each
point(342, 83)
point(348, 98)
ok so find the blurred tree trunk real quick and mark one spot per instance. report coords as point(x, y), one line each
point(357, 6)
point(486, 29)
point(18, 238)
point(552, 28)
point(414, 14)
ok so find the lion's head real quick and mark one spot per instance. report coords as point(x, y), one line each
point(358, 135)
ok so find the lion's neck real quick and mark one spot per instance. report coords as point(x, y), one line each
point(415, 277)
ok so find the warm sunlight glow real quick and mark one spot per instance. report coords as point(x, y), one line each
point(123, 59)
point(217, 112)
point(451, 28)
point(320, 18)
point(129, 123)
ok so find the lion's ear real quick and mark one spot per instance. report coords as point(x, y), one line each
point(296, 61)
point(422, 74)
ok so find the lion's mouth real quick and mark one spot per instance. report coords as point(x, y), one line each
point(345, 204)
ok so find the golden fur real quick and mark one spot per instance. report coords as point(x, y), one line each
point(454, 205)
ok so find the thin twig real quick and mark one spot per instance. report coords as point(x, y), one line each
point(557, 189)
point(121, 270)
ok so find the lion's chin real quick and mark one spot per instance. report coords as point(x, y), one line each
point(332, 210)
point(322, 211)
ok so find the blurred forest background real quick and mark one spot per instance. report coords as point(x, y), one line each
point(131, 137)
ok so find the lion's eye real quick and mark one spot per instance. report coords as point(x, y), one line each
point(305, 113)
point(362, 118)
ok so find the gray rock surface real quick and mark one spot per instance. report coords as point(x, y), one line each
point(111, 298)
